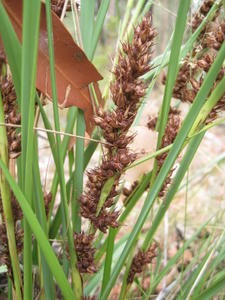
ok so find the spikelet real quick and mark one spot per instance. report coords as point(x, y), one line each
point(4, 247)
point(140, 261)
point(127, 90)
point(85, 252)
point(171, 130)
point(11, 116)
point(47, 201)
point(201, 14)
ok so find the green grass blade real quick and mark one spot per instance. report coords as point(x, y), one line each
point(98, 26)
point(65, 212)
point(212, 290)
point(138, 14)
point(216, 95)
point(79, 172)
point(130, 203)
point(40, 236)
point(72, 115)
point(47, 124)
point(91, 148)
point(172, 73)
point(30, 37)
point(105, 192)
point(41, 216)
point(130, 4)
point(96, 280)
point(108, 258)
point(87, 10)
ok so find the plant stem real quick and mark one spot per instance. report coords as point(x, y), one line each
point(30, 35)
point(76, 279)
point(7, 209)
point(79, 172)
point(208, 106)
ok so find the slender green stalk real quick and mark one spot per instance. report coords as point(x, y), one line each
point(149, 156)
point(41, 215)
point(105, 192)
point(216, 95)
point(79, 173)
point(137, 14)
point(125, 287)
point(51, 137)
point(31, 19)
point(91, 147)
point(130, 203)
point(185, 226)
point(108, 258)
point(72, 114)
point(87, 11)
point(10, 293)
point(7, 209)
point(172, 73)
point(98, 26)
point(129, 7)
point(77, 285)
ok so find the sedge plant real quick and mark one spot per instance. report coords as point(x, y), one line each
point(67, 243)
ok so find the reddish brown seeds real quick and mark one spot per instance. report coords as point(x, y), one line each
point(140, 260)
point(127, 91)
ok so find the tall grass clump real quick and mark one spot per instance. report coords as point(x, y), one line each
point(66, 239)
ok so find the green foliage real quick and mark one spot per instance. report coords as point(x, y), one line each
point(114, 252)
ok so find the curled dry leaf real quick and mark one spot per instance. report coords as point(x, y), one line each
point(73, 70)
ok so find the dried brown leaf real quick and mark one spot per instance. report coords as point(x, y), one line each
point(73, 69)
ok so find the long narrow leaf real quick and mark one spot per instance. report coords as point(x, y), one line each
point(31, 20)
point(40, 236)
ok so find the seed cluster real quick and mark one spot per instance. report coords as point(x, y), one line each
point(171, 130)
point(85, 252)
point(196, 65)
point(4, 247)
point(140, 260)
point(47, 201)
point(11, 116)
point(127, 90)
point(201, 14)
